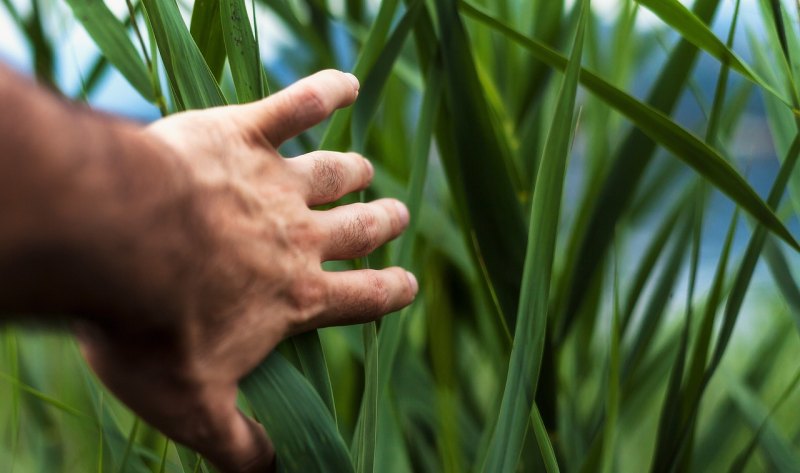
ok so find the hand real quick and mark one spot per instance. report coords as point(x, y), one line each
point(240, 270)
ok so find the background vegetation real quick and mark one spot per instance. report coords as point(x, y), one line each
point(591, 300)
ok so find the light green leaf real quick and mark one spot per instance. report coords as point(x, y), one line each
point(111, 37)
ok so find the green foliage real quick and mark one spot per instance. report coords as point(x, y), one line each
point(587, 303)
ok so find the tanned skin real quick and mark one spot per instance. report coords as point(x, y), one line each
point(183, 252)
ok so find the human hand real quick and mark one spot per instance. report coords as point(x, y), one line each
point(239, 270)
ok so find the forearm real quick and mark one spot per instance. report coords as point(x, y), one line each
point(78, 190)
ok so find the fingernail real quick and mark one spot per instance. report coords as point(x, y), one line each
point(402, 212)
point(370, 168)
point(353, 80)
point(412, 280)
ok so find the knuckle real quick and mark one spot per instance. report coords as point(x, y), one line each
point(378, 292)
point(307, 297)
point(311, 100)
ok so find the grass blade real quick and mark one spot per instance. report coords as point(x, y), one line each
point(658, 126)
point(242, 51)
point(206, 29)
point(335, 135)
point(312, 359)
point(112, 38)
point(300, 425)
point(527, 349)
point(370, 93)
point(475, 157)
point(367, 427)
point(190, 78)
point(692, 29)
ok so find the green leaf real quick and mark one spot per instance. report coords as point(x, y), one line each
point(206, 29)
point(692, 29)
point(190, 78)
point(370, 94)
point(658, 126)
point(112, 38)
point(299, 424)
point(312, 359)
point(747, 266)
point(365, 440)
point(475, 157)
point(779, 450)
point(242, 50)
point(529, 337)
point(335, 134)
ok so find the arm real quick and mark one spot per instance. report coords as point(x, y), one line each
point(185, 251)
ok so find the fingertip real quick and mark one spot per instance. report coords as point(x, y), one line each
point(402, 213)
point(412, 282)
point(370, 169)
point(354, 81)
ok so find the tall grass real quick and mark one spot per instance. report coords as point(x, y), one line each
point(590, 301)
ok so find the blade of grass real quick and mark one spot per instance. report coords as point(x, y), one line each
point(392, 328)
point(778, 450)
point(693, 29)
point(471, 146)
point(242, 50)
point(110, 35)
point(335, 136)
point(527, 349)
point(782, 274)
point(649, 258)
point(370, 94)
point(656, 125)
point(747, 267)
point(612, 398)
point(206, 29)
point(741, 460)
point(365, 440)
point(674, 406)
point(300, 425)
point(190, 78)
point(735, 299)
point(312, 359)
point(546, 451)
point(641, 340)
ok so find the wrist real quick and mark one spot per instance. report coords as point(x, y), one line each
point(97, 210)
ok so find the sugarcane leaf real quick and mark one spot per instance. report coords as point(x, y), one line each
point(299, 424)
point(242, 50)
point(528, 346)
point(658, 126)
point(190, 78)
point(110, 35)
point(335, 136)
point(206, 29)
point(312, 359)
point(370, 94)
point(692, 29)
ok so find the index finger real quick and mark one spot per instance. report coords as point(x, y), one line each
point(302, 105)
